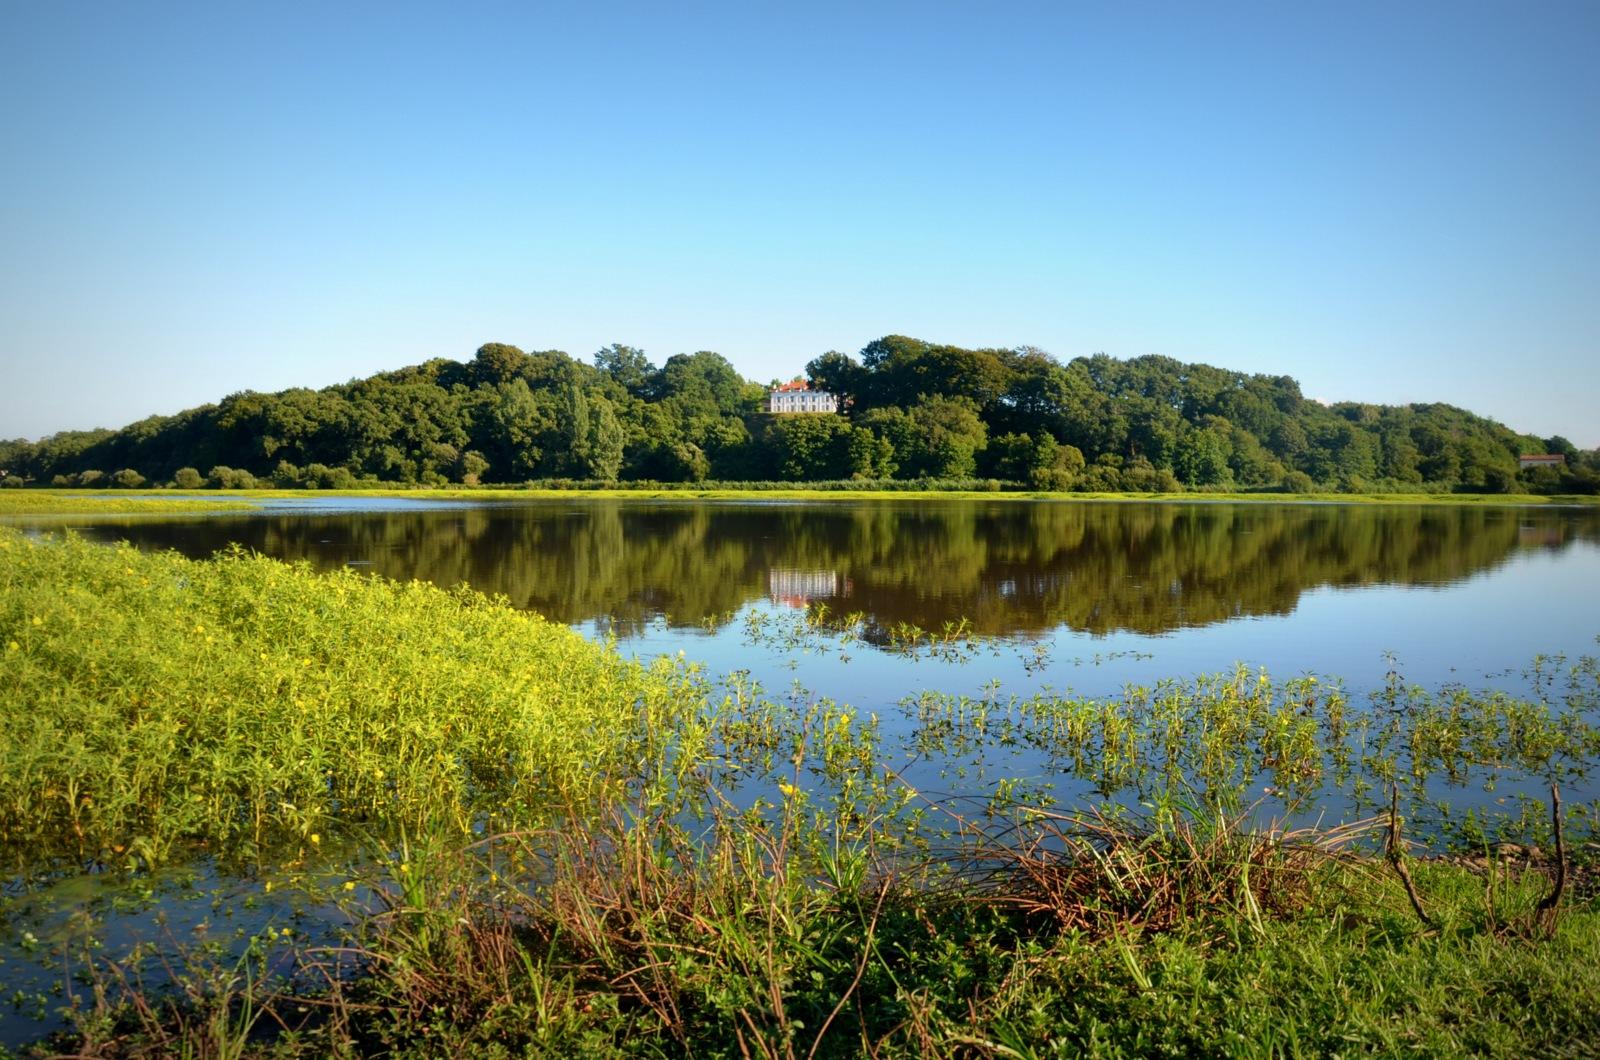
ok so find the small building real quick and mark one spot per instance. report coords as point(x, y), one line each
point(797, 396)
point(1540, 460)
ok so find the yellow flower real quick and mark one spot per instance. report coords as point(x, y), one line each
point(13, 646)
point(38, 621)
point(267, 887)
point(315, 839)
point(349, 885)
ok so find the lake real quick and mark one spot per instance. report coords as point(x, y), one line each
point(823, 599)
point(1083, 598)
point(1150, 589)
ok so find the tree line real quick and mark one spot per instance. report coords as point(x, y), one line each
point(911, 411)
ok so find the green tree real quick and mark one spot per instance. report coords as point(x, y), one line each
point(1201, 457)
point(837, 373)
point(628, 366)
point(515, 423)
point(472, 467)
point(811, 447)
point(604, 443)
point(871, 456)
point(497, 363)
point(572, 434)
point(945, 437)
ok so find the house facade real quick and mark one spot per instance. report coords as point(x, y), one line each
point(797, 396)
point(1541, 460)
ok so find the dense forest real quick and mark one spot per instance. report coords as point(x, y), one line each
point(912, 411)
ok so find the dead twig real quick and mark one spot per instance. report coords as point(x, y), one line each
point(1549, 907)
point(1395, 851)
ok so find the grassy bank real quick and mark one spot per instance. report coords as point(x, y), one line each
point(632, 939)
point(118, 502)
point(547, 848)
point(44, 502)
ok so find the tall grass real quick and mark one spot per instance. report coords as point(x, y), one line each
point(1081, 935)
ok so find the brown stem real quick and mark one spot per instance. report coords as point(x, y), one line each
point(861, 967)
point(1549, 905)
point(1397, 859)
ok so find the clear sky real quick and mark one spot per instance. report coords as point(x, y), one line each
point(1390, 202)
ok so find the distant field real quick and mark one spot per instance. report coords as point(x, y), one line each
point(113, 502)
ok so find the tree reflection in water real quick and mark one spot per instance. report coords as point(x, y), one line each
point(1006, 568)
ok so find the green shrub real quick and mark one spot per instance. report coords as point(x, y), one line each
point(228, 478)
point(1298, 482)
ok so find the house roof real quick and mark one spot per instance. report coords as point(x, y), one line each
point(794, 384)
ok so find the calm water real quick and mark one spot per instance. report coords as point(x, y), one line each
point(1162, 589)
point(1079, 596)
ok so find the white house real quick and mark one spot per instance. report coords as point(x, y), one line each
point(797, 396)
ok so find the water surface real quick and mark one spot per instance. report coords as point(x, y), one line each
point(1166, 588)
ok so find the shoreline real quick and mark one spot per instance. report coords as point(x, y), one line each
point(123, 502)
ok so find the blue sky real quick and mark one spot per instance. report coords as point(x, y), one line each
point(1390, 202)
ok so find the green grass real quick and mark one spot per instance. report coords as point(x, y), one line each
point(35, 501)
point(113, 502)
point(552, 854)
point(1346, 975)
point(749, 943)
